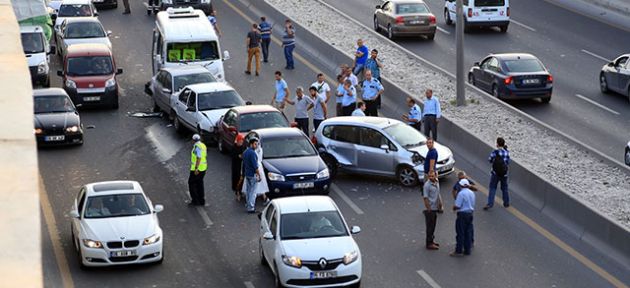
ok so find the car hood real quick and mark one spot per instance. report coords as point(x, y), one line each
point(102, 40)
point(35, 58)
point(112, 229)
point(59, 120)
point(443, 152)
point(214, 115)
point(315, 249)
point(294, 165)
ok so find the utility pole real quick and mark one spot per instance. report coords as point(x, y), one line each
point(460, 75)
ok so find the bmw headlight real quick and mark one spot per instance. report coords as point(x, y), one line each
point(323, 174)
point(151, 239)
point(275, 177)
point(72, 129)
point(42, 68)
point(292, 261)
point(110, 82)
point(92, 244)
point(350, 257)
point(71, 84)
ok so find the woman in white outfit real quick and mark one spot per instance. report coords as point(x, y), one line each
point(261, 187)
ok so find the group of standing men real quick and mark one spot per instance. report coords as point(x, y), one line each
point(259, 38)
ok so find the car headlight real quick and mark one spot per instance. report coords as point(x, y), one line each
point(292, 261)
point(151, 239)
point(71, 84)
point(350, 257)
point(72, 129)
point(275, 177)
point(92, 244)
point(323, 174)
point(416, 158)
point(38, 131)
point(42, 68)
point(110, 82)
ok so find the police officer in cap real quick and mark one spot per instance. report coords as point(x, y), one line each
point(372, 90)
point(198, 167)
point(414, 117)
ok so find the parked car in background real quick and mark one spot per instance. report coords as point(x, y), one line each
point(242, 119)
point(405, 18)
point(306, 242)
point(106, 3)
point(378, 146)
point(291, 163)
point(115, 223)
point(615, 76)
point(627, 154)
point(512, 76)
point(37, 51)
point(203, 5)
point(168, 82)
point(89, 75)
point(56, 118)
point(79, 30)
point(480, 13)
point(73, 8)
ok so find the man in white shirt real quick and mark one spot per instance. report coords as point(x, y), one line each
point(360, 111)
point(322, 87)
point(302, 105)
point(347, 73)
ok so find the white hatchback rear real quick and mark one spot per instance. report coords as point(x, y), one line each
point(480, 13)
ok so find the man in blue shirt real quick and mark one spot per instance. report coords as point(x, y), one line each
point(213, 20)
point(288, 43)
point(282, 90)
point(348, 100)
point(431, 114)
point(265, 31)
point(430, 160)
point(372, 90)
point(375, 65)
point(500, 160)
point(464, 206)
point(360, 56)
point(414, 117)
point(252, 174)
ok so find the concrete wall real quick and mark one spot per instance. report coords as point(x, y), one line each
point(20, 256)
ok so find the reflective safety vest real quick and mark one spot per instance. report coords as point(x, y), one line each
point(203, 164)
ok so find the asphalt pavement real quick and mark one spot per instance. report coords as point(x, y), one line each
point(216, 245)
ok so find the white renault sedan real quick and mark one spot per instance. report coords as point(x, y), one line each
point(306, 242)
point(114, 223)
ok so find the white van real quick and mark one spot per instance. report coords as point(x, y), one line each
point(37, 51)
point(184, 36)
point(480, 13)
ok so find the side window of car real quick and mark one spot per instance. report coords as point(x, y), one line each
point(372, 138)
point(273, 224)
point(621, 62)
point(184, 96)
point(269, 211)
point(349, 134)
point(168, 81)
point(192, 100)
point(81, 200)
point(493, 64)
point(327, 131)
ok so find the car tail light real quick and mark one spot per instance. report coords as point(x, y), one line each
point(549, 79)
point(314, 140)
point(469, 12)
point(400, 20)
point(508, 12)
point(508, 80)
point(432, 19)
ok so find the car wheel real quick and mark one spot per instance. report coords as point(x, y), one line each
point(447, 16)
point(545, 100)
point(495, 91)
point(627, 157)
point(430, 36)
point(390, 32)
point(407, 176)
point(156, 108)
point(80, 259)
point(331, 164)
point(261, 253)
point(603, 84)
point(115, 104)
point(503, 28)
point(149, 11)
point(471, 79)
point(277, 281)
point(376, 24)
point(178, 125)
point(221, 146)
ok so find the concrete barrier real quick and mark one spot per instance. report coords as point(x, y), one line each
point(583, 222)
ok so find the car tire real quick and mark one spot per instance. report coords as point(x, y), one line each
point(171, 115)
point(331, 164)
point(603, 83)
point(430, 37)
point(156, 108)
point(407, 176)
point(390, 32)
point(495, 91)
point(627, 157)
point(178, 125)
point(115, 104)
point(447, 17)
point(503, 28)
point(545, 100)
point(278, 283)
point(376, 24)
point(471, 79)
point(221, 146)
point(261, 253)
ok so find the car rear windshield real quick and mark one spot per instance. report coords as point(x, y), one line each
point(310, 225)
point(287, 147)
point(53, 104)
point(489, 3)
point(411, 8)
point(405, 135)
point(84, 30)
point(89, 66)
point(523, 65)
point(74, 10)
point(185, 80)
point(32, 43)
point(219, 99)
point(192, 52)
point(117, 205)
point(259, 120)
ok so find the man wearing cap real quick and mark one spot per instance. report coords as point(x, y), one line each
point(252, 174)
point(464, 206)
point(198, 167)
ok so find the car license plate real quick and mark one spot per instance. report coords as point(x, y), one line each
point(531, 81)
point(416, 22)
point(122, 253)
point(55, 138)
point(445, 168)
point(303, 185)
point(323, 274)
point(92, 98)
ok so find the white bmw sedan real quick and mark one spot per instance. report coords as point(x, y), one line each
point(114, 223)
point(306, 242)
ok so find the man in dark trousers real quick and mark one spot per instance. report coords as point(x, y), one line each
point(430, 160)
point(198, 167)
point(464, 206)
point(432, 206)
point(252, 174)
point(126, 4)
point(265, 34)
point(500, 160)
point(431, 114)
point(237, 166)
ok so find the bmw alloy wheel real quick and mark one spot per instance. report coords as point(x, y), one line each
point(407, 176)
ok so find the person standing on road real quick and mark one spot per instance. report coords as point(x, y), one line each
point(213, 20)
point(253, 49)
point(413, 118)
point(339, 93)
point(288, 43)
point(456, 188)
point(252, 174)
point(347, 73)
point(237, 166)
point(302, 105)
point(432, 206)
point(282, 91)
point(431, 159)
point(374, 64)
point(265, 34)
point(372, 90)
point(360, 111)
point(319, 107)
point(198, 167)
point(464, 206)
point(322, 87)
point(127, 8)
point(349, 100)
point(500, 160)
point(360, 56)
point(432, 114)
point(261, 188)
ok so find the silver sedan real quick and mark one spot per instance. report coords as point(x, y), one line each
point(405, 17)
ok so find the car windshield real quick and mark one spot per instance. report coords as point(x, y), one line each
point(219, 99)
point(185, 80)
point(32, 43)
point(74, 10)
point(286, 147)
point(89, 66)
point(411, 8)
point(117, 205)
point(405, 135)
point(192, 52)
point(524, 65)
point(312, 225)
point(489, 3)
point(79, 30)
point(53, 104)
point(259, 120)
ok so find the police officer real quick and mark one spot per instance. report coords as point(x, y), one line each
point(372, 90)
point(413, 118)
point(198, 167)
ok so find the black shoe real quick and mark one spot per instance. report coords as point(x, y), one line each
point(487, 207)
point(506, 205)
point(265, 61)
point(191, 203)
point(251, 212)
point(256, 73)
point(248, 73)
point(126, 12)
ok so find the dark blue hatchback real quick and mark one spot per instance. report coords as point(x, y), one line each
point(291, 163)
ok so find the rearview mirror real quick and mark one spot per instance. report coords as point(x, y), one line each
point(476, 64)
point(109, 33)
point(385, 147)
point(611, 64)
point(74, 214)
point(119, 71)
point(158, 208)
point(226, 55)
point(259, 215)
point(95, 14)
point(53, 17)
point(166, 90)
point(60, 73)
point(355, 230)
point(378, 6)
point(268, 236)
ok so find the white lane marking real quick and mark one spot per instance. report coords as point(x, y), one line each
point(428, 278)
point(523, 25)
point(595, 55)
point(346, 199)
point(597, 104)
point(248, 284)
point(204, 216)
point(443, 30)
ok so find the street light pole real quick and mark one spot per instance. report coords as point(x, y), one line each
point(460, 75)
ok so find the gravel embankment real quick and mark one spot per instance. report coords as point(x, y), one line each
point(570, 167)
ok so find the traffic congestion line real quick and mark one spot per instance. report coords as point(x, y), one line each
point(522, 25)
point(595, 55)
point(428, 278)
point(346, 199)
point(596, 104)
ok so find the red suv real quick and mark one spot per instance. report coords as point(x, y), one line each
point(89, 75)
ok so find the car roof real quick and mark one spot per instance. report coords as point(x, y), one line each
point(300, 204)
point(513, 56)
point(372, 122)
point(185, 27)
point(81, 19)
point(247, 109)
point(404, 1)
point(49, 92)
point(278, 132)
point(113, 187)
point(210, 87)
point(185, 70)
point(88, 49)
point(70, 2)
point(31, 29)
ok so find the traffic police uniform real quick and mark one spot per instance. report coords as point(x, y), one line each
point(415, 113)
point(195, 180)
point(370, 94)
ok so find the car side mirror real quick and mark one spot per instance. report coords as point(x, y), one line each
point(119, 71)
point(74, 214)
point(476, 64)
point(109, 33)
point(378, 6)
point(95, 14)
point(166, 90)
point(268, 236)
point(355, 230)
point(385, 147)
point(53, 17)
point(158, 208)
point(226, 55)
point(59, 73)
